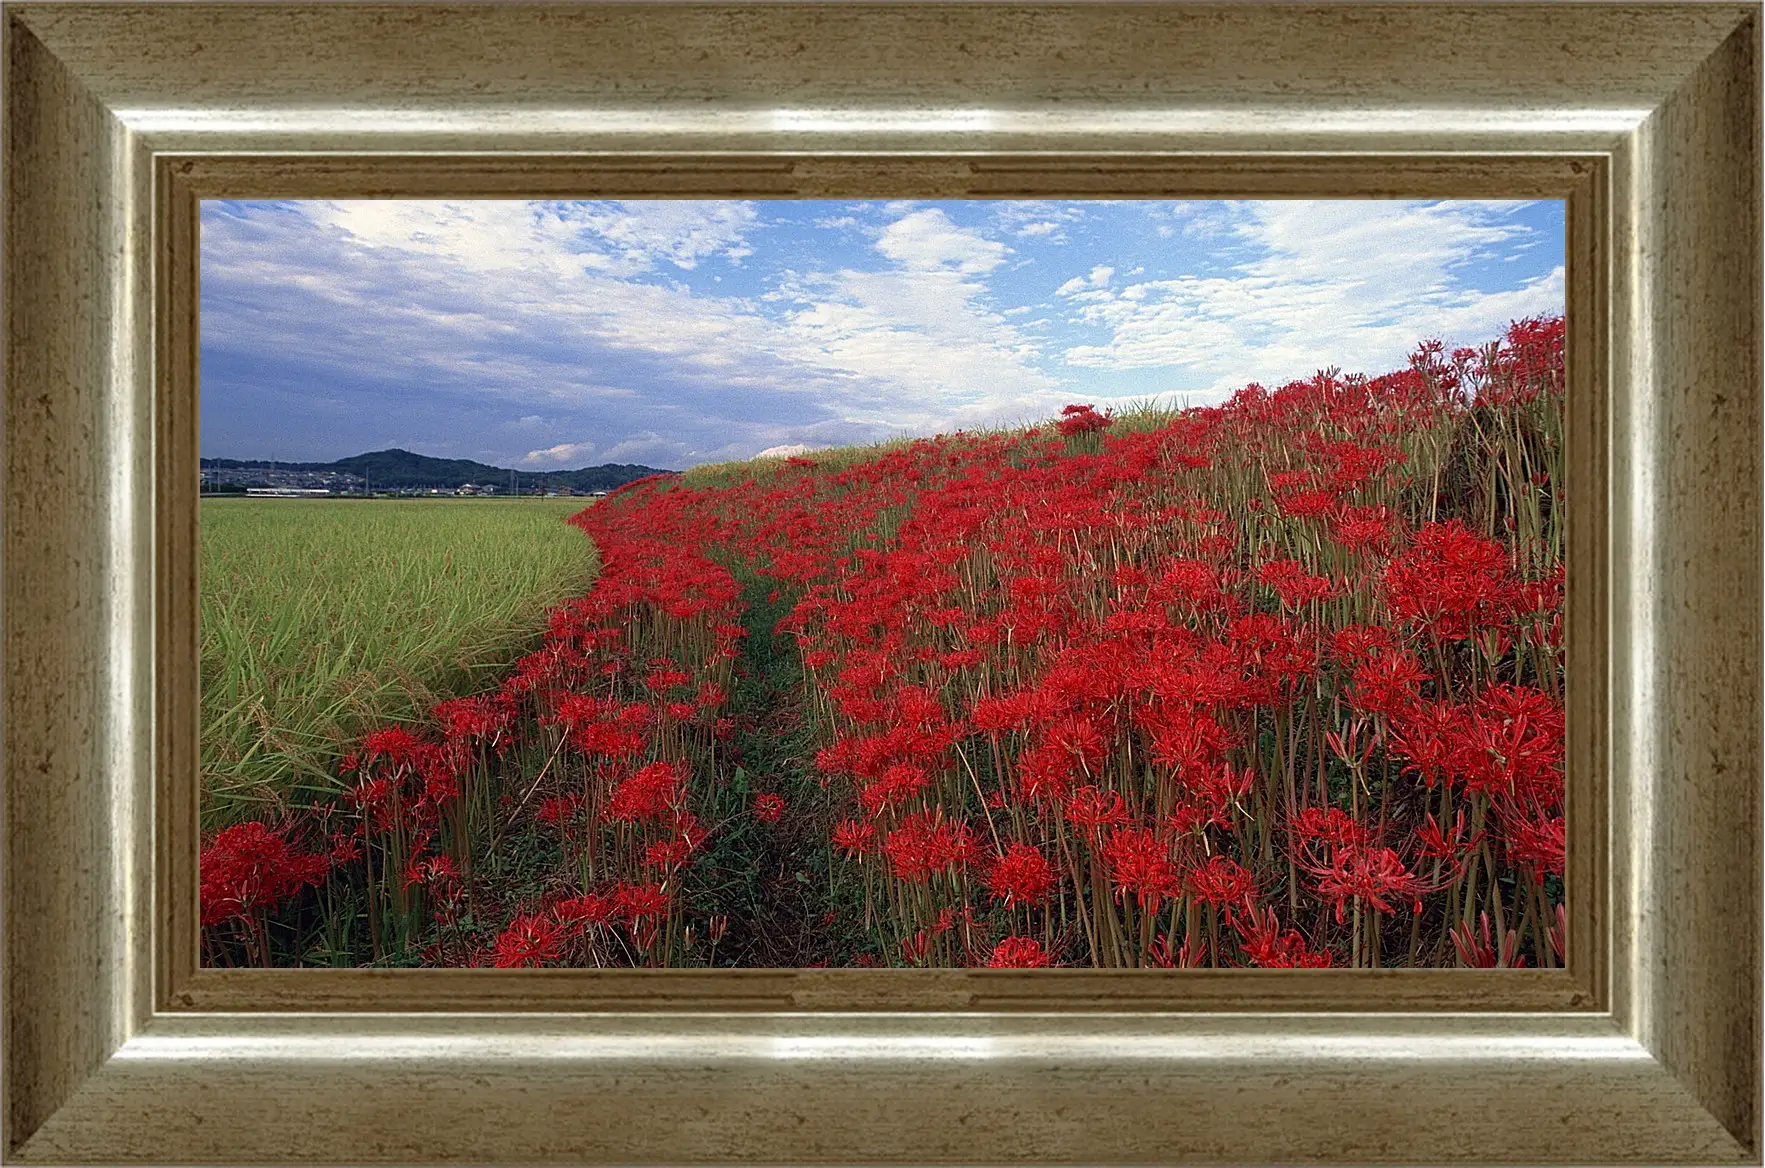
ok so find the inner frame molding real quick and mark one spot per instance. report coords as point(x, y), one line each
point(118, 118)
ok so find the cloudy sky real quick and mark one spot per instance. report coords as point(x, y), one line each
point(547, 335)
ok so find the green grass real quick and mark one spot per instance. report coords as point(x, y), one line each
point(323, 618)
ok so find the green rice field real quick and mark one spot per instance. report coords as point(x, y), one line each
point(323, 618)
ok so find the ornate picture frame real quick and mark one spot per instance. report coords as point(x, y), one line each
point(119, 118)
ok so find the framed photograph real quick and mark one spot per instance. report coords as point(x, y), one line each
point(1360, 768)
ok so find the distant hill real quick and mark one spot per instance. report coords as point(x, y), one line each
point(396, 469)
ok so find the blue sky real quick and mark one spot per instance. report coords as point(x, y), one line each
point(548, 335)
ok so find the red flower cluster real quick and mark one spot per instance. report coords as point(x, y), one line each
point(1112, 695)
point(768, 808)
point(249, 867)
point(1075, 420)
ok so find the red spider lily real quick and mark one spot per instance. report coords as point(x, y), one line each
point(1367, 872)
point(638, 902)
point(1365, 529)
point(1045, 776)
point(1288, 481)
point(251, 866)
point(1265, 944)
point(1536, 845)
point(668, 853)
point(1139, 863)
point(1091, 809)
point(531, 939)
point(590, 909)
point(1356, 644)
point(854, 838)
point(475, 719)
point(1192, 818)
point(1425, 735)
point(344, 849)
point(662, 677)
point(1186, 738)
point(1482, 951)
point(768, 808)
point(1513, 745)
point(1331, 825)
point(395, 745)
point(1222, 881)
point(1437, 844)
point(650, 793)
point(1019, 953)
point(559, 810)
point(1219, 786)
point(925, 844)
point(1021, 876)
point(1307, 504)
point(1294, 585)
point(690, 833)
point(1082, 420)
point(1193, 585)
point(1451, 582)
point(1387, 682)
point(436, 872)
point(1348, 745)
point(895, 787)
point(1078, 736)
point(1191, 954)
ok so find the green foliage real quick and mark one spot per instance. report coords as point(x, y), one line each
point(320, 619)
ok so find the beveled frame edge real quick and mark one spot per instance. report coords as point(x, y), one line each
point(1670, 1074)
point(182, 181)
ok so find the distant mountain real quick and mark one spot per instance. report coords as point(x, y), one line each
point(395, 469)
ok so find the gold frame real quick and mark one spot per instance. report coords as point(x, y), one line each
point(119, 117)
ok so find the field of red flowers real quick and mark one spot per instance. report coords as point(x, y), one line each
point(1272, 683)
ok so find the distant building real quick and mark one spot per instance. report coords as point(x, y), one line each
point(287, 492)
point(281, 478)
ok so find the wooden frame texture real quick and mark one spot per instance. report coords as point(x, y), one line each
point(119, 118)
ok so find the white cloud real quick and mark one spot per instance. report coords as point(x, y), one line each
point(1353, 284)
point(928, 334)
point(1037, 218)
point(575, 321)
point(562, 452)
point(562, 238)
point(1087, 287)
point(786, 451)
point(500, 300)
point(927, 241)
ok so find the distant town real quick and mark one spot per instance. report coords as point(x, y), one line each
point(400, 473)
point(296, 483)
